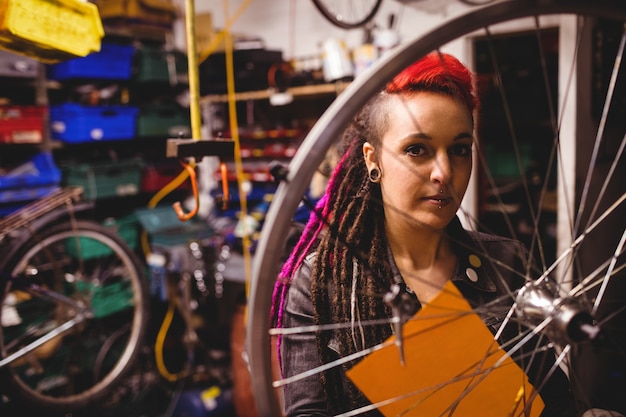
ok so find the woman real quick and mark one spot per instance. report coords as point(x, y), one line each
point(389, 217)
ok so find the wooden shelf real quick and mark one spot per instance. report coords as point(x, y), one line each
point(301, 91)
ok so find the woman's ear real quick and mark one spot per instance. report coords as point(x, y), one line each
point(369, 155)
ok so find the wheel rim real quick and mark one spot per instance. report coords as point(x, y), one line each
point(330, 126)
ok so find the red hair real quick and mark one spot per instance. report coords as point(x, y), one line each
point(438, 72)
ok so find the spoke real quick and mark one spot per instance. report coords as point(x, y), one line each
point(323, 327)
point(600, 131)
point(608, 177)
point(330, 365)
point(590, 281)
point(582, 237)
point(605, 281)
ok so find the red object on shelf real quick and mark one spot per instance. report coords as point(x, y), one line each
point(22, 124)
point(155, 177)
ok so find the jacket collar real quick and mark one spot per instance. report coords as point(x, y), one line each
point(471, 266)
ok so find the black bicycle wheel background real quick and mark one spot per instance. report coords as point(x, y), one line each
point(329, 128)
point(360, 21)
point(20, 393)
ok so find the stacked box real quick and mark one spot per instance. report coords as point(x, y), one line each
point(159, 13)
point(165, 229)
point(30, 180)
point(164, 121)
point(75, 123)
point(50, 31)
point(158, 65)
point(112, 62)
point(126, 227)
point(22, 124)
point(157, 176)
point(104, 179)
point(18, 66)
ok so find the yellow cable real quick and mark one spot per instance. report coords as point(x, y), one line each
point(158, 346)
point(232, 110)
point(194, 114)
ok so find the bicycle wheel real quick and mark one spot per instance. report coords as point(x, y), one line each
point(570, 213)
point(81, 280)
point(348, 14)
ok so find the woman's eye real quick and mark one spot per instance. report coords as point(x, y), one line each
point(415, 150)
point(461, 150)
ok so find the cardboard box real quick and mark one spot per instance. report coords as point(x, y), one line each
point(156, 12)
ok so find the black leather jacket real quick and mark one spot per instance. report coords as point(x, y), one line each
point(493, 281)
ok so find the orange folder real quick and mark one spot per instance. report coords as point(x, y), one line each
point(444, 342)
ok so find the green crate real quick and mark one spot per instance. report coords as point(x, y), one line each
point(105, 179)
point(163, 120)
point(125, 227)
point(109, 298)
point(165, 229)
point(502, 163)
point(157, 65)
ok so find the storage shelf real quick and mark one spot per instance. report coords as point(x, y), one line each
point(300, 91)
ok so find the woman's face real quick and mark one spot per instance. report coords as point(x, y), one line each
point(425, 159)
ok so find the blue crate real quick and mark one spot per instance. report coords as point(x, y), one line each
point(112, 62)
point(40, 170)
point(75, 123)
point(31, 179)
point(24, 195)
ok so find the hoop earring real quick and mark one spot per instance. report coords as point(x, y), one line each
point(374, 175)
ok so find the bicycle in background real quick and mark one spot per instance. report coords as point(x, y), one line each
point(74, 305)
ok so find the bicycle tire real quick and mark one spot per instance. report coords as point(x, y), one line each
point(586, 216)
point(348, 14)
point(90, 264)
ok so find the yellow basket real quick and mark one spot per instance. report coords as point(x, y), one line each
point(50, 30)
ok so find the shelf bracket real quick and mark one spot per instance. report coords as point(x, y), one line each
point(193, 148)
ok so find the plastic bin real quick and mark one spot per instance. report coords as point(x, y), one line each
point(165, 229)
point(105, 179)
point(164, 121)
point(109, 298)
point(25, 195)
point(156, 65)
point(37, 171)
point(17, 66)
point(155, 12)
point(112, 62)
point(22, 124)
point(157, 176)
point(125, 227)
point(502, 163)
point(29, 180)
point(50, 31)
point(75, 123)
